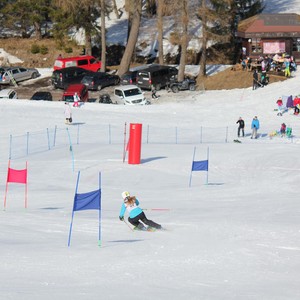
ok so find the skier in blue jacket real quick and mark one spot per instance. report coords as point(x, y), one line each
point(254, 127)
point(136, 215)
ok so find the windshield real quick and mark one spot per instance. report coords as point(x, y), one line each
point(132, 92)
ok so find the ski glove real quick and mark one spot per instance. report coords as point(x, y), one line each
point(121, 218)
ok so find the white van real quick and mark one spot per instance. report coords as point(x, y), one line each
point(130, 95)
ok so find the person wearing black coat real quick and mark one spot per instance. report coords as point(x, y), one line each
point(255, 79)
point(241, 127)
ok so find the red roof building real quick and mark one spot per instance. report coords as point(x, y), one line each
point(268, 34)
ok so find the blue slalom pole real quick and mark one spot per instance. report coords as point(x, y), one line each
point(207, 165)
point(71, 225)
point(99, 238)
point(192, 167)
point(71, 148)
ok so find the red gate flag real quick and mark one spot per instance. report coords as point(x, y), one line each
point(16, 176)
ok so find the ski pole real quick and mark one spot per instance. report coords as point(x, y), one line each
point(127, 225)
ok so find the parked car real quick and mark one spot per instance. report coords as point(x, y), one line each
point(130, 95)
point(47, 96)
point(8, 94)
point(96, 81)
point(86, 62)
point(64, 77)
point(156, 76)
point(18, 74)
point(80, 89)
point(129, 77)
point(187, 84)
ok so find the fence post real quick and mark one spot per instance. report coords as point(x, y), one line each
point(48, 139)
point(201, 135)
point(27, 150)
point(78, 126)
point(148, 129)
point(10, 146)
point(109, 134)
point(54, 135)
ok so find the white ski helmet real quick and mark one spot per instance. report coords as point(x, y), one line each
point(125, 195)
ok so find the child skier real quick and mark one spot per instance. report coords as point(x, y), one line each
point(282, 129)
point(136, 215)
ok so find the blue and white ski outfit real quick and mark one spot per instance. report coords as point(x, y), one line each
point(136, 215)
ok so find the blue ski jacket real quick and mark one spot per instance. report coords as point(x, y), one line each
point(255, 124)
point(133, 210)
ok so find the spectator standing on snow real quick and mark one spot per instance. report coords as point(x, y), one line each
point(255, 80)
point(279, 106)
point(136, 215)
point(241, 127)
point(254, 127)
point(68, 113)
point(153, 92)
point(76, 100)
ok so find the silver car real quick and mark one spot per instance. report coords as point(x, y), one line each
point(18, 74)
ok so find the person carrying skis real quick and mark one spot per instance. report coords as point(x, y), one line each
point(136, 215)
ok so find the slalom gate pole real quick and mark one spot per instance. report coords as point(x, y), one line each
point(128, 225)
point(124, 150)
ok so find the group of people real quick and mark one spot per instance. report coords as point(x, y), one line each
point(254, 127)
point(284, 130)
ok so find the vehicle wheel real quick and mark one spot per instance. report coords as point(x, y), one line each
point(34, 75)
point(175, 89)
point(192, 87)
point(99, 88)
point(117, 81)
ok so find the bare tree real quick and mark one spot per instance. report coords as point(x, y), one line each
point(216, 27)
point(115, 8)
point(184, 38)
point(160, 29)
point(103, 38)
point(133, 36)
point(203, 17)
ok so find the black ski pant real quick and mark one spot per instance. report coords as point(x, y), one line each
point(142, 217)
point(239, 131)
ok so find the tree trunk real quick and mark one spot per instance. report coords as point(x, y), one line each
point(184, 40)
point(88, 43)
point(133, 37)
point(103, 38)
point(115, 8)
point(38, 31)
point(160, 29)
point(202, 71)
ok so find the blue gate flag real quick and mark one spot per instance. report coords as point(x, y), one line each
point(85, 201)
point(91, 200)
point(201, 165)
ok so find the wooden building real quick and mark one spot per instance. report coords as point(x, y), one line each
point(268, 34)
